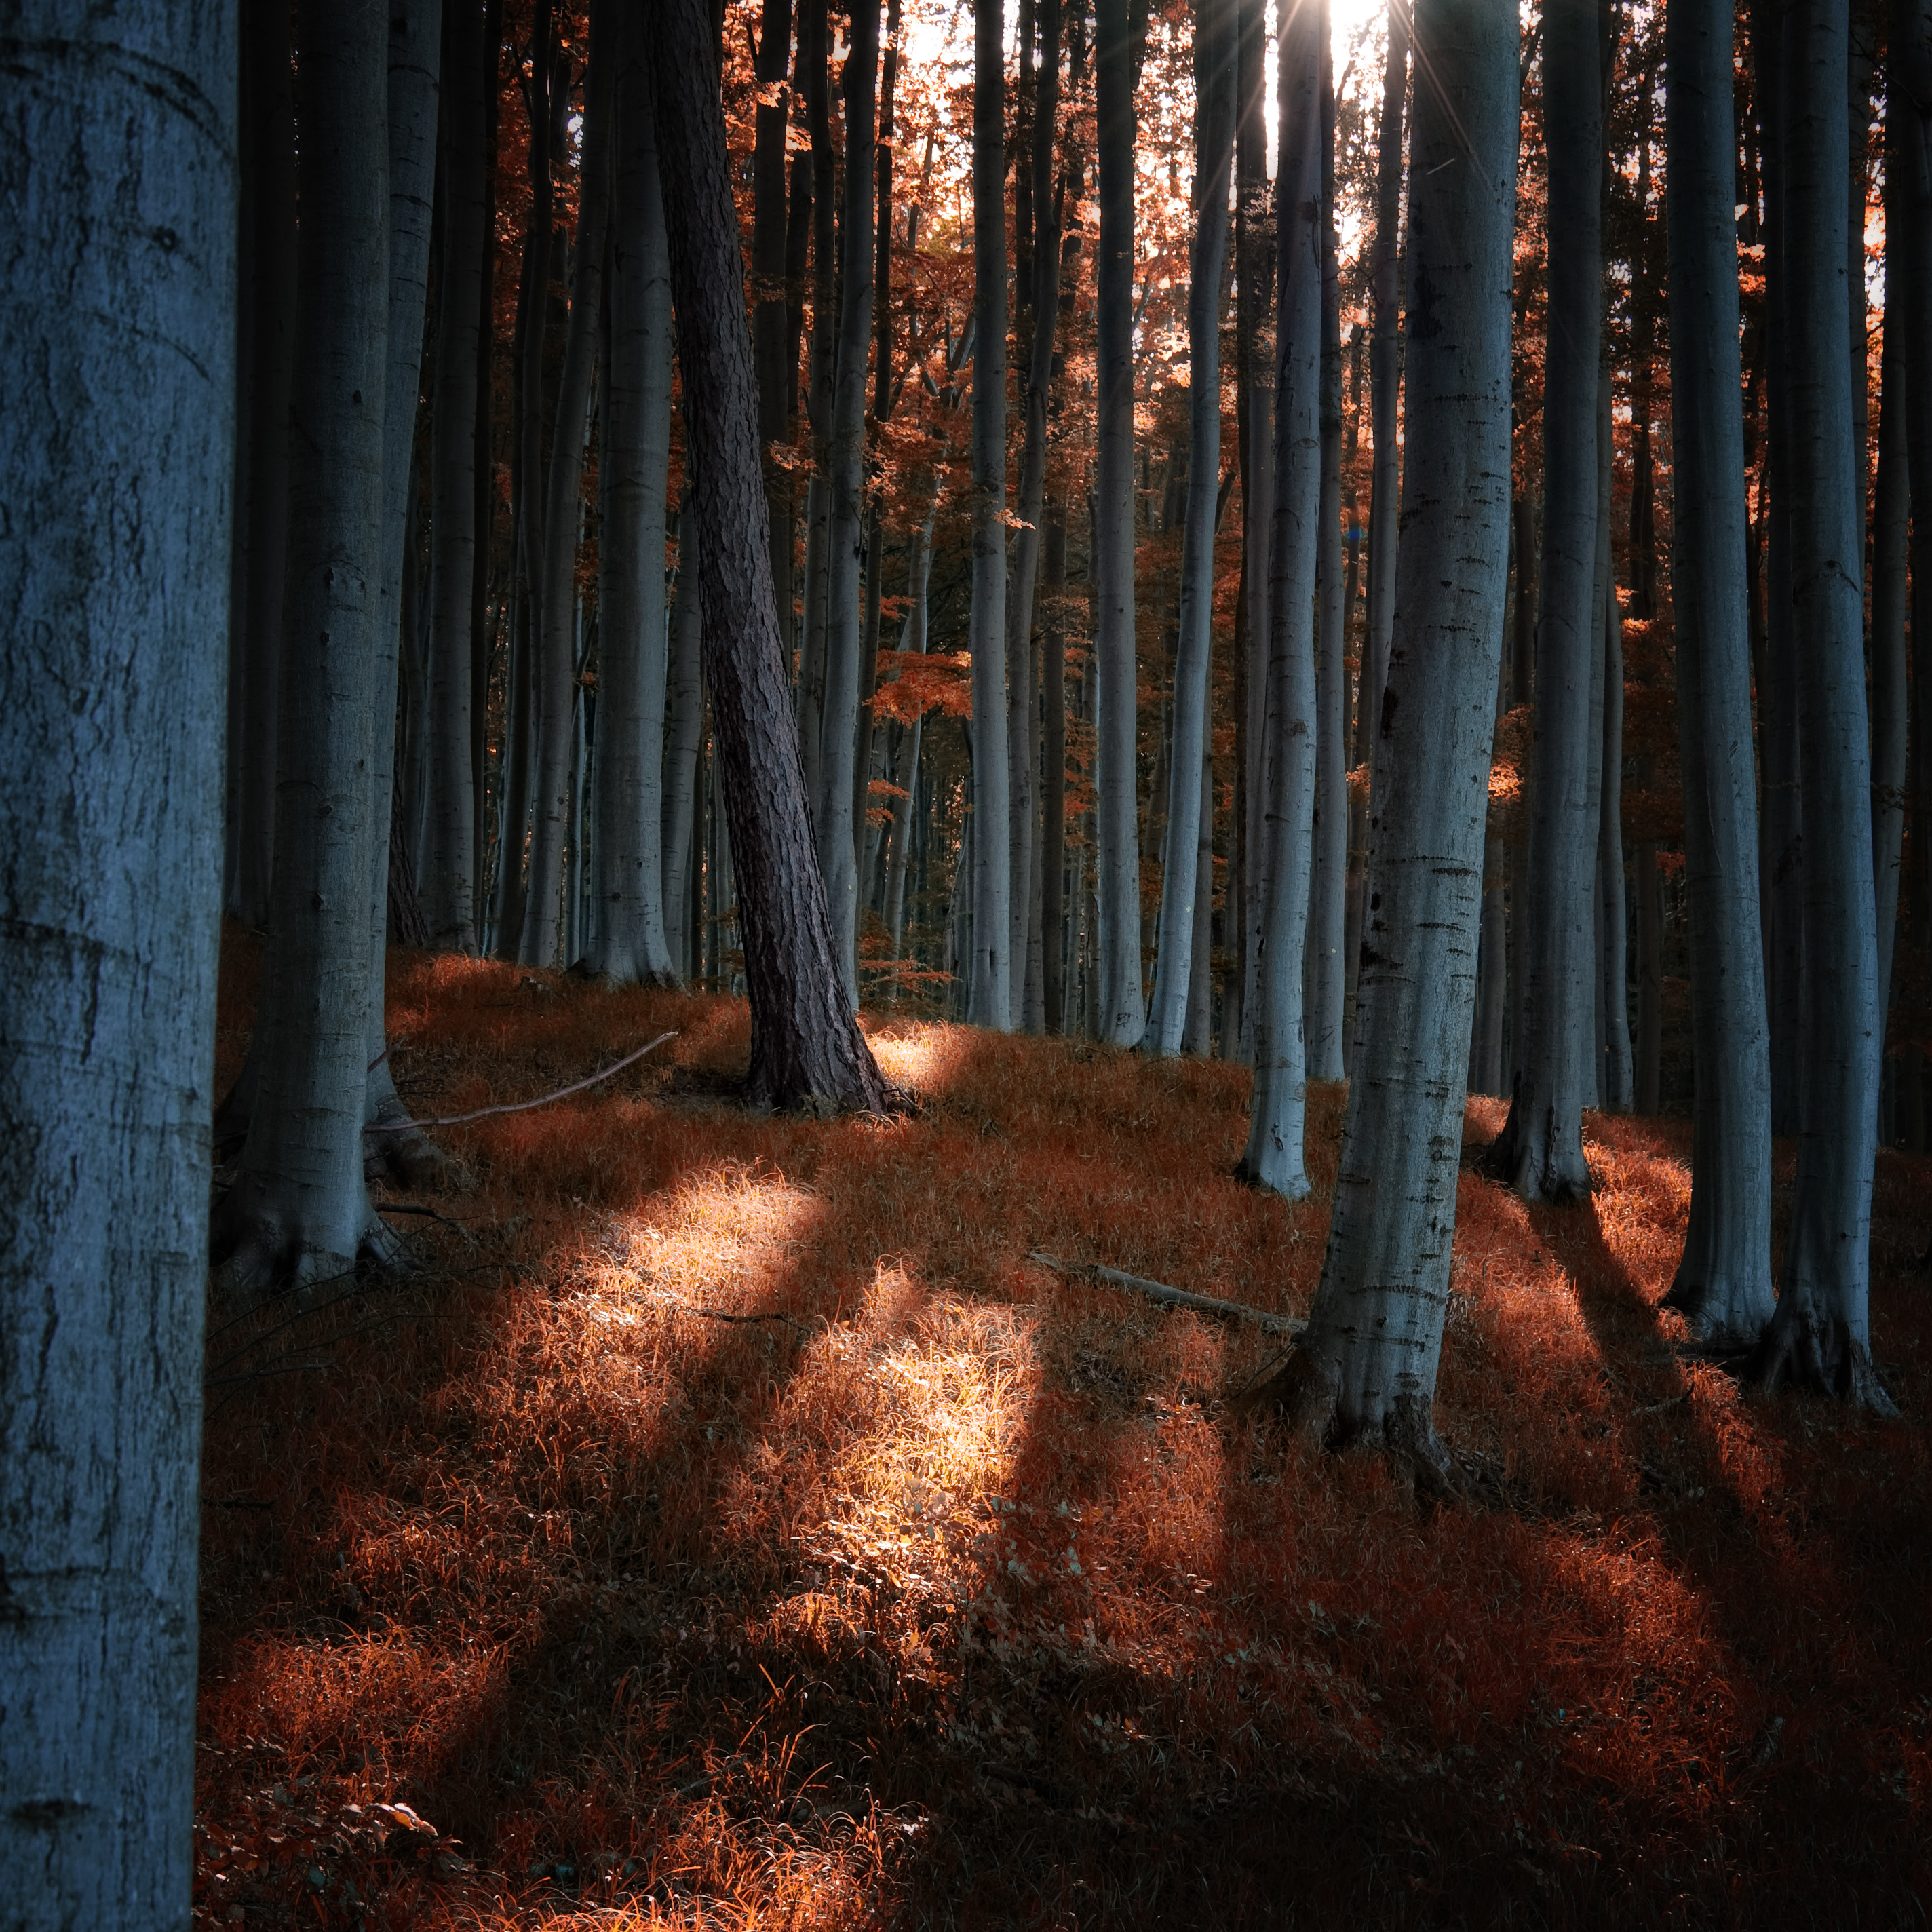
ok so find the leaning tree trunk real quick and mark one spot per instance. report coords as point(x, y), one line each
point(1540, 1150)
point(989, 975)
point(1328, 876)
point(685, 733)
point(1722, 1287)
point(117, 355)
point(556, 683)
point(449, 870)
point(1193, 665)
point(1274, 1156)
point(1366, 1365)
point(807, 1052)
point(832, 812)
point(1820, 1335)
point(298, 1209)
point(632, 943)
point(1118, 881)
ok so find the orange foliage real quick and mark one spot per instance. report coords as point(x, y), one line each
point(735, 1527)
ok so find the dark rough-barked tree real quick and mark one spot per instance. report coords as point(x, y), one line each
point(807, 1051)
point(117, 317)
point(1723, 1286)
point(1366, 1366)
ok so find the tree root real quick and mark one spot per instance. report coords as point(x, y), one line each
point(257, 1255)
point(1719, 1328)
point(1804, 1349)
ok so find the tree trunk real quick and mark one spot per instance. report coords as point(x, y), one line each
point(1194, 655)
point(1328, 877)
point(118, 359)
point(298, 1210)
point(1722, 1287)
point(449, 868)
point(265, 349)
point(991, 971)
point(1891, 699)
point(681, 939)
point(1274, 1156)
point(807, 1052)
point(1122, 1014)
point(912, 637)
point(1540, 1150)
point(770, 338)
point(631, 942)
point(814, 55)
point(556, 602)
point(1618, 1086)
point(1366, 1365)
point(1197, 1036)
point(1054, 903)
point(1820, 1334)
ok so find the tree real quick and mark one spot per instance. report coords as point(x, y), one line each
point(1820, 1335)
point(1118, 881)
point(1365, 1367)
point(1214, 156)
point(630, 942)
point(1540, 1150)
point(1723, 1286)
point(1274, 1158)
point(807, 1052)
point(117, 352)
point(298, 1210)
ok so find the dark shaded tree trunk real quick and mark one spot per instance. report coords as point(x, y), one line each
point(778, 377)
point(118, 362)
point(686, 733)
point(1053, 906)
point(807, 1052)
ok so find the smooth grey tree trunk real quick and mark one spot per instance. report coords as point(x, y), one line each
point(822, 372)
point(771, 336)
point(1121, 1013)
point(1539, 1152)
point(1592, 1018)
point(448, 876)
point(1056, 906)
point(1193, 665)
point(632, 648)
point(298, 1210)
point(1890, 698)
point(807, 1051)
point(1618, 1089)
point(905, 771)
point(556, 600)
point(117, 355)
point(685, 734)
point(1722, 1285)
point(1197, 1036)
point(1819, 1335)
point(1274, 1157)
point(991, 975)
point(1366, 1366)
point(832, 816)
point(1328, 876)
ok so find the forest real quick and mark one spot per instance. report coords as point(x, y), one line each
point(965, 965)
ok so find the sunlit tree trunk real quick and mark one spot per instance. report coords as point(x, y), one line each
point(1121, 1011)
point(631, 942)
point(556, 657)
point(990, 972)
point(807, 1052)
point(1274, 1157)
point(1540, 1151)
point(117, 356)
point(1820, 1335)
point(1214, 154)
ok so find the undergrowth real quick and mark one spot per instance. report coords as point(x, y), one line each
point(729, 1526)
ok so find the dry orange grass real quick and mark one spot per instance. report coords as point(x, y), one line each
point(942, 1593)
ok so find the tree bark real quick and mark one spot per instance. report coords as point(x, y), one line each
point(1054, 904)
point(1366, 1365)
point(807, 1052)
point(991, 974)
point(1540, 1150)
point(1890, 698)
point(298, 1210)
point(1820, 1335)
point(770, 336)
point(557, 599)
point(1723, 1286)
point(450, 855)
point(1121, 1013)
point(905, 771)
point(1274, 1157)
point(1618, 1089)
point(822, 374)
point(632, 943)
point(681, 757)
point(117, 352)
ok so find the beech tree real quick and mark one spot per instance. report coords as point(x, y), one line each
point(1365, 1366)
point(118, 354)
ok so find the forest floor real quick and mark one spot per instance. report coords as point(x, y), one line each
point(729, 1526)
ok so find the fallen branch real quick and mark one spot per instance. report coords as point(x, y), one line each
point(521, 1106)
point(1175, 1297)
